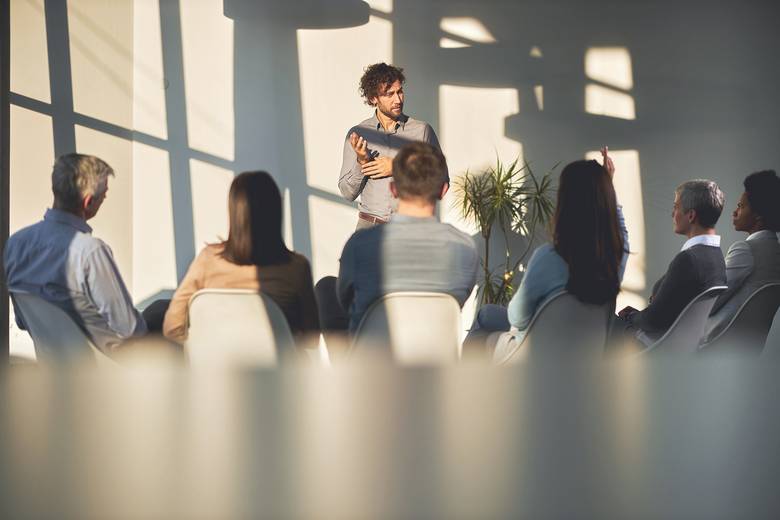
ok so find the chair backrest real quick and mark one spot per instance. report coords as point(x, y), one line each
point(772, 345)
point(562, 327)
point(747, 331)
point(414, 328)
point(54, 333)
point(686, 331)
point(236, 326)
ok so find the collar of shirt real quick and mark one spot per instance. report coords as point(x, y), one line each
point(704, 240)
point(69, 219)
point(763, 234)
point(408, 218)
point(401, 122)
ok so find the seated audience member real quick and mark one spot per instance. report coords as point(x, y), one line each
point(254, 256)
point(60, 261)
point(587, 256)
point(697, 267)
point(754, 261)
point(413, 252)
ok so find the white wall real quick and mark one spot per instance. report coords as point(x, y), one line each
point(178, 96)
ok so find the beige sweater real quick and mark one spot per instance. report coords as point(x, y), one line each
point(289, 285)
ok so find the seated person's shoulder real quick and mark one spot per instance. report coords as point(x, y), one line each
point(299, 260)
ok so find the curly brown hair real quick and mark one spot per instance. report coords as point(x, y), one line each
point(376, 78)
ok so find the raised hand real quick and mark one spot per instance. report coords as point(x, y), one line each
point(379, 168)
point(360, 146)
point(608, 164)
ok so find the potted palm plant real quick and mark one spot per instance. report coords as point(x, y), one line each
point(514, 200)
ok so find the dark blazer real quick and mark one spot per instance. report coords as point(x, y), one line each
point(690, 273)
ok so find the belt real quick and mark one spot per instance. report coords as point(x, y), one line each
point(371, 218)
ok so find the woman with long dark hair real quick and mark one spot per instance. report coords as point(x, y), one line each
point(587, 255)
point(254, 256)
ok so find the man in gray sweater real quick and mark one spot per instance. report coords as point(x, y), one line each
point(413, 252)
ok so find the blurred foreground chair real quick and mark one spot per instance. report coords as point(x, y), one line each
point(772, 346)
point(413, 328)
point(685, 333)
point(747, 331)
point(563, 327)
point(236, 326)
point(55, 335)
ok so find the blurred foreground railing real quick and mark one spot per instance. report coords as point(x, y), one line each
point(635, 437)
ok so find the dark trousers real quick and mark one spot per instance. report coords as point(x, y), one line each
point(334, 320)
point(154, 315)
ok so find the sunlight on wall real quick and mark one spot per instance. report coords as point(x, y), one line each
point(337, 225)
point(610, 66)
point(447, 43)
point(154, 256)
point(207, 39)
point(101, 35)
point(287, 217)
point(31, 159)
point(628, 186)
point(113, 223)
point(539, 96)
point(210, 188)
point(467, 28)
point(385, 6)
point(471, 124)
point(603, 101)
point(329, 80)
point(29, 55)
point(149, 110)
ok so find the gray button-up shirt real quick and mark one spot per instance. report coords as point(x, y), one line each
point(375, 196)
point(59, 260)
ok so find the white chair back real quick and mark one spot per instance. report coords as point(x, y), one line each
point(747, 331)
point(236, 326)
point(55, 335)
point(562, 328)
point(414, 328)
point(685, 333)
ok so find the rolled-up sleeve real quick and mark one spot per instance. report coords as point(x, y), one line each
point(108, 292)
point(351, 179)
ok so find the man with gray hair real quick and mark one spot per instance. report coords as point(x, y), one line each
point(60, 261)
point(697, 267)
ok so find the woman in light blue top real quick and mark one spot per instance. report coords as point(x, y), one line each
point(587, 256)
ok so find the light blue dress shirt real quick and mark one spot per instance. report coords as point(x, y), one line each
point(59, 260)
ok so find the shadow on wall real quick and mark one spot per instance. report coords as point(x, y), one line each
point(701, 89)
point(268, 115)
point(702, 108)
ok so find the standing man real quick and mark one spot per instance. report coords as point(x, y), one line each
point(370, 147)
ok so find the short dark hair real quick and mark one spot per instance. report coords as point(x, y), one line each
point(74, 176)
point(763, 194)
point(705, 197)
point(419, 171)
point(376, 78)
point(255, 214)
